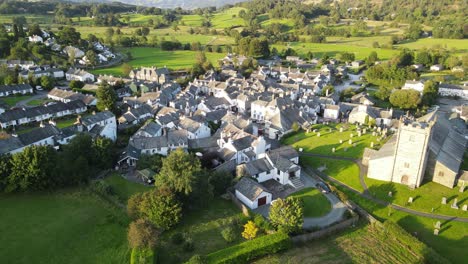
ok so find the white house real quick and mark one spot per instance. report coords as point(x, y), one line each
point(331, 112)
point(79, 75)
point(6, 90)
point(414, 85)
point(101, 124)
point(73, 51)
point(195, 129)
point(258, 110)
point(453, 90)
point(35, 38)
point(437, 67)
point(251, 193)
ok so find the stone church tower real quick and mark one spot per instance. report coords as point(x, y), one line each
point(411, 153)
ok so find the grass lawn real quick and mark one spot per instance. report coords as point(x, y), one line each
point(69, 226)
point(426, 197)
point(459, 44)
point(315, 203)
point(204, 227)
point(450, 243)
point(180, 59)
point(324, 144)
point(38, 102)
point(123, 188)
point(226, 18)
point(13, 100)
point(344, 171)
point(332, 49)
point(361, 244)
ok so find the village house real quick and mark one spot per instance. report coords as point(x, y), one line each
point(65, 96)
point(136, 115)
point(446, 89)
point(251, 193)
point(437, 67)
point(7, 90)
point(153, 74)
point(79, 75)
point(101, 124)
point(414, 85)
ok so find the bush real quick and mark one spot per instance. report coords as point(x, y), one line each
point(188, 245)
point(142, 256)
point(244, 252)
point(196, 259)
point(260, 221)
point(177, 238)
point(341, 195)
point(142, 234)
point(229, 234)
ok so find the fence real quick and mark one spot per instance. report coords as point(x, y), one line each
point(325, 232)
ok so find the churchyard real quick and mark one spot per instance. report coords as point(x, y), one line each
point(341, 140)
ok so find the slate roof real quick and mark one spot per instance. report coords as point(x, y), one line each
point(15, 87)
point(69, 95)
point(96, 118)
point(151, 128)
point(249, 188)
point(257, 166)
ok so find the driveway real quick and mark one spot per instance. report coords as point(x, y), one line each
point(335, 215)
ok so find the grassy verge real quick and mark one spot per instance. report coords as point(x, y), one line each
point(13, 100)
point(123, 188)
point(314, 202)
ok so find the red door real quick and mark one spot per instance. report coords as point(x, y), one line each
point(262, 201)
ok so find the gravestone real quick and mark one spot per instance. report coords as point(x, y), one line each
point(350, 141)
point(341, 130)
point(351, 136)
point(330, 130)
point(359, 134)
point(315, 130)
point(341, 141)
point(364, 131)
point(379, 129)
point(437, 225)
point(372, 144)
point(410, 200)
point(444, 200)
point(318, 134)
point(436, 232)
point(465, 207)
point(454, 204)
point(373, 134)
point(390, 194)
point(354, 144)
point(333, 150)
point(462, 188)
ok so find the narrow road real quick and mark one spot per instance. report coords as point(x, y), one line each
point(366, 193)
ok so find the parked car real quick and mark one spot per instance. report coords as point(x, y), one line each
point(323, 187)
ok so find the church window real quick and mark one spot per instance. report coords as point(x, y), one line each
point(406, 165)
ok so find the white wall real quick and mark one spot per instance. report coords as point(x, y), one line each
point(253, 204)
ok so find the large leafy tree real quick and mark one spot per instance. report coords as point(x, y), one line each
point(142, 234)
point(33, 169)
point(405, 99)
point(161, 208)
point(179, 171)
point(106, 97)
point(287, 214)
point(431, 89)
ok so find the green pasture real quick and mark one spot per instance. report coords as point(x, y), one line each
point(314, 202)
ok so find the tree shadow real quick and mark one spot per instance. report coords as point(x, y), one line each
point(382, 191)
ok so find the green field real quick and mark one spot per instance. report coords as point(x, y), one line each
point(425, 198)
point(461, 45)
point(310, 142)
point(72, 226)
point(314, 202)
point(331, 49)
point(124, 188)
point(344, 171)
point(225, 18)
point(146, 57)
point(30, 18)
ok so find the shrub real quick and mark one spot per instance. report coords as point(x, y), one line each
point(177, 238)
point(188, 245)
point(142, 234)
point(229, 234)
point(250, 230)
point(244, 252)
point(196, 259)
point(142, 256)
point(260, 221)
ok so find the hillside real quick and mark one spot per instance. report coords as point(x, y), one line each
point(185, 4)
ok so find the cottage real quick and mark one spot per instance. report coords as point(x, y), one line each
point(68, 96)
point(414, 85)
point(437, 67)
point(79, 75)
point(6, 90)
point(251, 193)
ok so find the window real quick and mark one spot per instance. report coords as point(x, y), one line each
point(406, 165)
point(278, 171)
point(441, 174)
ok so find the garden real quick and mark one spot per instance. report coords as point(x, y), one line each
point(314, 202)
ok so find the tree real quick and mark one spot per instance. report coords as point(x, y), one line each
point(161, 208)
point(47, 82)
point(142, 234)
point(91, 58)
point(430, 92)
point(328, 90)
point(405, 99)
point(126, 69)
point(76, 159)
point(347, 56)
point(5, 170)
point(133, 205)
point(69, 35)
point(76, 84)
point(33, 169)
point(287, 214)
point(372, 58)
point(229, 234)
point(106, 97)
point(220, 181)
point(414, 31)
point(178, 172)
point(423, 57)
point(250, 230)
point(153, 162)
point(103, 151)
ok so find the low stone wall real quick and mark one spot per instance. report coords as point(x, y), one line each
point(363, 213)
point(325, 232)
point(245, 210)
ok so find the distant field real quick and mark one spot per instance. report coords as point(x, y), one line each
point(180, 59)
point(360, 41)
point(70, 226)
point(30, 18)
point(461, 45)
point(320, 49)
point(192, 20)
point(225, 18)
